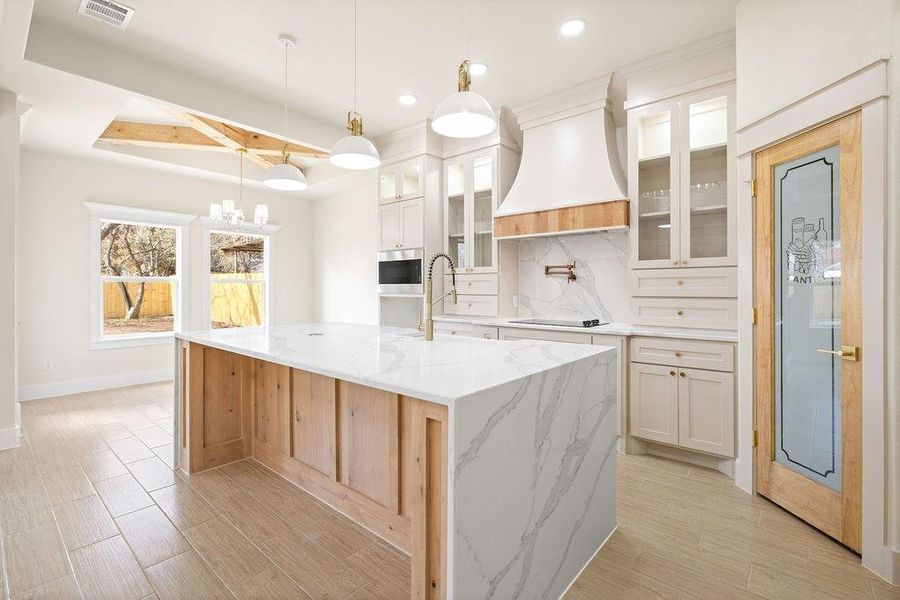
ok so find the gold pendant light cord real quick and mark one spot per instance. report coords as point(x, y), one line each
point(355, 55)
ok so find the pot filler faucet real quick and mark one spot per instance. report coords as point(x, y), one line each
point(427, 321)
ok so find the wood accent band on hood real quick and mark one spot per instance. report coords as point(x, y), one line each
point(560, 220)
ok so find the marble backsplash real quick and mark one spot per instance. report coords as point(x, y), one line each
point(600, 290)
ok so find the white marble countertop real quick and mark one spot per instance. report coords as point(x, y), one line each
point(625, 329)
point(397, 360)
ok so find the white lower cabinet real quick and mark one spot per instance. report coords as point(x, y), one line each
point(465, 330)
point(671, 404)
point(513, 333)
point(654, 403)
point(706, 411)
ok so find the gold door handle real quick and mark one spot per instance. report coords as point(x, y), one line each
point(846, 352)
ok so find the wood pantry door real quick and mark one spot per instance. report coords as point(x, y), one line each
point(808, 370)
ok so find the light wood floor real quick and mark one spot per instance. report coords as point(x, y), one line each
point(90, 508)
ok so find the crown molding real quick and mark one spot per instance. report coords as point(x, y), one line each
point(713, 42)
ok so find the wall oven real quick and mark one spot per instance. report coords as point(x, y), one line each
point(400, 271)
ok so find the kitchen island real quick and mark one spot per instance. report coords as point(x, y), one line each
point(492, 464)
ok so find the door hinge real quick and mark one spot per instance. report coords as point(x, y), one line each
point(753, 189)
point(755, 438)
point(755, 315)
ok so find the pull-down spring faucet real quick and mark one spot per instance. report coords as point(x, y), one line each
point(427, 320)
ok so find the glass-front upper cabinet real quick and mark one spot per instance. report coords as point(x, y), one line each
point(657, 198)
point(680, 181)
point(400, 181)
point(705, 180)
point(471, 199)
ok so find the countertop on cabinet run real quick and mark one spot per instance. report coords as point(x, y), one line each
point(710, 335)
point(395, 359)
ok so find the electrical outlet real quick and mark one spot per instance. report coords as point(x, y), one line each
point(48, 364)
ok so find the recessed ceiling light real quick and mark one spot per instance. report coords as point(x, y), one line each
point(407, 99)
point(477, 69)
point(572, 27)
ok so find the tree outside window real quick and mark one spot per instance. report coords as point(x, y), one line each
point(138, 269)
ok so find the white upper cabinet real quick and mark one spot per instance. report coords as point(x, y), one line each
point(681, 181)
point(401, 181)
point(401, 224)
point(470, 196)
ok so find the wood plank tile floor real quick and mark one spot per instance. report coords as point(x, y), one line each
point(90, 508)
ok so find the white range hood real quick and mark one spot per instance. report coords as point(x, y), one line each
point(570, 164)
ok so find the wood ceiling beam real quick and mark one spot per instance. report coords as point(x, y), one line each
point(224, 134)
point(267, 145)
point(157, 136)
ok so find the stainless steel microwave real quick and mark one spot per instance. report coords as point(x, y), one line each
point(400, 271)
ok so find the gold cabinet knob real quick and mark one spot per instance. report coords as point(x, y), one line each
point(680, 282)
point(674, 262)
point(682, 374)
point(672, 373)
point(679, 312)
point(678, 354)
point(684, 262)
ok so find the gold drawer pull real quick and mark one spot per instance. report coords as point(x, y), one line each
point(679, 312)
point(680, 282)
point(678, 354)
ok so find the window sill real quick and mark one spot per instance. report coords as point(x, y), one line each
point(131, 341)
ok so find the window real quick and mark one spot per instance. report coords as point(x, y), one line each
point(136, 275)
point(238, 280)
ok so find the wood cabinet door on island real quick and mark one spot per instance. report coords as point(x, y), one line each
point(370, 443)
point(270, 388)
point(314, 421)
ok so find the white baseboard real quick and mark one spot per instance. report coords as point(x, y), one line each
point(722, 465)
point(91, 384)
point(9, 438)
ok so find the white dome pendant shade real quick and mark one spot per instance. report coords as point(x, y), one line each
point(354, 151)
point(464, 114)
point(285, 176)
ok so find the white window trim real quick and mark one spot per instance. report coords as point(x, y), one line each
point(140, 216)
point(267, 232)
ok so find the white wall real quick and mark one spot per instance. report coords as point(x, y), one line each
point(55, 248)
point(345, 244)
point(9, 201)
point(788, 50)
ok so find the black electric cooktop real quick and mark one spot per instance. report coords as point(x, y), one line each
point(561, 322)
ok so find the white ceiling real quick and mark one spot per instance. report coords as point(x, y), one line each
point(405, 46)
point(219, 57)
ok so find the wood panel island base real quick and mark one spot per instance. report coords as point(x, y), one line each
point(490, 463)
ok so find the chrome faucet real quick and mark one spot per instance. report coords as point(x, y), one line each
point(427, 320)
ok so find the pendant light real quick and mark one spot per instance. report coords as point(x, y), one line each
point(464, 114)
point(228, 214)
point(355, 151)
point(285, 176)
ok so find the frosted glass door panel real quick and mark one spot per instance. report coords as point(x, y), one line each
point(808, 316)
point(483, 173)
point(456, 214)
point(654, 187)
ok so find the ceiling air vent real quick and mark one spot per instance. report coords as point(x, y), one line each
point(111, 13)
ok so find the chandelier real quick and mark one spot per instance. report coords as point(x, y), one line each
point(226, 213)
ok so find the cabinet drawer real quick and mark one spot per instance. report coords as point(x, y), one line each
point(472, 305)
point(515, 333)
point(465, 330)
point(714, 356)
point(720, 282)
point(474, 283)
point(702, 313)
